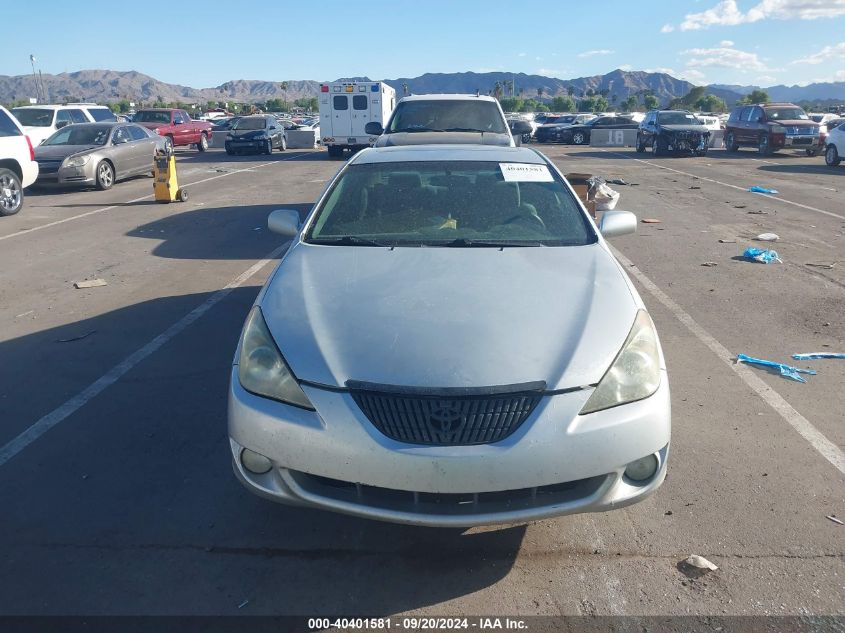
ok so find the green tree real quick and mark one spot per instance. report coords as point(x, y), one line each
point(529, 105)
point(711, 103)
point(650, 102)
point(542, 107)
point(630, 104)
point(587, 104)
point(756, 96)
point(591, 92)
point(570, 90)
point(563, 104)
point(540, 92)
point(601, 105)
point(511, 104)
point(497, 90)
point(284, 87)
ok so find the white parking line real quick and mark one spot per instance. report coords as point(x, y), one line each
point(70, 407)
point(726, 184)
point(827, 449)
point(122, 204)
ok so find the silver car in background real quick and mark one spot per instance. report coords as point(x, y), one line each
point(449, 341)
point(96, 154)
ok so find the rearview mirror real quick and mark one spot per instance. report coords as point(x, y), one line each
point(374, 128)
point(62, 124)
point(284, 222)
point(615, 223)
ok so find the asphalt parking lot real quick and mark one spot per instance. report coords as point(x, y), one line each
point(114, 467)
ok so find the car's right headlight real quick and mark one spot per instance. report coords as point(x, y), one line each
point(634, 374)
point(261, 368)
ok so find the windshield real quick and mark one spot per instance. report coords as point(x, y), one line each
point(445, 116)
point(152, 116)
point(80, 135)
point(34, 117)
point(564, 119)
point(786, 114)
point(450, 203)
point(102, 114)
point(677, 118)
point(248, 123)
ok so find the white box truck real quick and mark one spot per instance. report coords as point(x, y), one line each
point(346, 107)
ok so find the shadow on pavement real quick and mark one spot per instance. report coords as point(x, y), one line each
point(229, 232)
point(129, 505)
point(820, 169)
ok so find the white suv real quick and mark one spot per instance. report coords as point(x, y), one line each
point(40, 121)
point(18, 168)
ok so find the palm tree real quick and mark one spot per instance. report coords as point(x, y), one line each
point(614, 98)
point(570, 90)
point(497, 91)
point(540, 92)
point(284, 87)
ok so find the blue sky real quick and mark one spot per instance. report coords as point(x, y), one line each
point(762, 42)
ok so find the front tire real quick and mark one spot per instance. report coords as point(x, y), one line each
point(284, 144)
point(579, 138)
point(268, 149)
point(640, 145)
point(658, 147)
point(831, 156)
point(763, 146)
point(203, 144)
point(11, 193)
point(730, 142)
point(105, 175)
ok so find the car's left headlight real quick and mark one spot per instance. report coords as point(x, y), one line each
point(261, 368)
point(77, 161)
point(634, 374)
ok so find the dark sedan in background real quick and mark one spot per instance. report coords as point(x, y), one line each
point(257, 133)
point(579, 134)
point(96, 154)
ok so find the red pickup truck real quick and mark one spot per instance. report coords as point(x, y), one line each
point(176, 126)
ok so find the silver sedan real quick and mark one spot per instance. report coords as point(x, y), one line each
point(96, 154)
point(449, 341)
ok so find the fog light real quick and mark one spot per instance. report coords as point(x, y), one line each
point(255, 463)
point(642, 469)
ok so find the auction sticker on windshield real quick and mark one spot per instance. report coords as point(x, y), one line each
point(522, 172)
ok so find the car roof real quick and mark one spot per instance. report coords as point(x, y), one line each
point(447, 97)
point(44, 106)
point(423, 153)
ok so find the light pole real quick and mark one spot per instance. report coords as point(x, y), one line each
point(35, 79)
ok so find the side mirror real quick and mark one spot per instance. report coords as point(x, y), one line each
point(62, 124)
point(374, 128)
point(119, 141)
point(286, 222)
point(615, 223)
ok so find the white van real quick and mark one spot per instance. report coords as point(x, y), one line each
point(40, 121)
point(345, 109)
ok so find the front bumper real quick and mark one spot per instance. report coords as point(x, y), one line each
point(82, 176)
point(802, 141)
point(688, 142)
point(556, 463)
point(249, 144)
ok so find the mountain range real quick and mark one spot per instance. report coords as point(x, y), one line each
point(109, 85)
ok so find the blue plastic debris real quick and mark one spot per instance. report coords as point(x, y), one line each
point(762, 255)
point(787, 371)
point(756, 189)
point(817, 356)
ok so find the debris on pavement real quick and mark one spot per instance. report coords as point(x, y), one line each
point(695, 187)
point(787, 371)
point(727, 241)
point(833, 518)
point(710, 264)
point(757, 212)
point(616, 181)
point(23, 314)
point(757, 189)
point(75, 338)
point(768, 237)
point(651, 221)
point(90, 283)
point(740, 206)
point(699, 562)
point(824, 265)
point(818, 356)
point(762, 255)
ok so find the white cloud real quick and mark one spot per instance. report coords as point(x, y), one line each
point(626, 67)
point(726, 43)
point(727, 13)
point(522, 54)
point(667, 28)
point(668, 71)
point(724, 57)
point(602, 51)
point(692, 75)
point(550, 72)
point(766, 79)
point(826, 54)
point(839, 75)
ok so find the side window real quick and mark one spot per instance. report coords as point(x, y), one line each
point(340, 102)
point(359, 102)
point(186, 117)
point(746, 113)
point(734, 117)
point(120, 135)
point(756, 113)
point(177, 117)
point(137, 133)
point(101, 114)
point(77, 116)
point(7, 126)
point(63, 116)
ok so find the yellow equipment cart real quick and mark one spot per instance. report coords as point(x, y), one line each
point(166, 186)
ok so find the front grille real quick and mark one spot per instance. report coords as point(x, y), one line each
point(449, 504)
point(49, 166)
point(445, 419)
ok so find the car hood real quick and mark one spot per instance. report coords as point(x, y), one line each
point(62, 151)
point(685, 128)
point(151, 126)
point(449, 317)
point(795, 123)
point(437, 138)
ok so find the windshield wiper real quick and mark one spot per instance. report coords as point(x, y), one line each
point(416, 128)
point(463, 129)
point(346, 240)
point(463, 242)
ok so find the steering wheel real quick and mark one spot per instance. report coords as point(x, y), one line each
point(531, 220)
